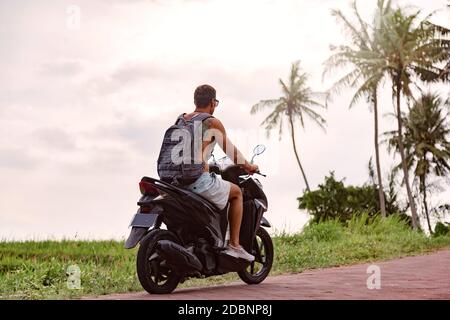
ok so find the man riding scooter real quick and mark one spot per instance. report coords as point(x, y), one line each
point(182, 220)
point(212, 186)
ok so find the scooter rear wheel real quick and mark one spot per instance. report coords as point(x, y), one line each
point(153, 275)
point(263, 252)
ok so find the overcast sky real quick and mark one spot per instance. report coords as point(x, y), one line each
point(87, 89)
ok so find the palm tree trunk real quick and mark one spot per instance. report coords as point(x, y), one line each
point(425, 205)
point(377, 156)
point(415, 219)
point(296, 153)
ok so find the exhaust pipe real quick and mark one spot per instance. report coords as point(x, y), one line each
point(178, 257)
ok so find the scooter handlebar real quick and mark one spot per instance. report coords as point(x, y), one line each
point(261, 174)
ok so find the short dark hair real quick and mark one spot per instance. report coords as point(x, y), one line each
point(203, 95)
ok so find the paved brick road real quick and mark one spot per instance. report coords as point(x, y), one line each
point(419, 277)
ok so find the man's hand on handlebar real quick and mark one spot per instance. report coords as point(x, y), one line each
point(251, 168)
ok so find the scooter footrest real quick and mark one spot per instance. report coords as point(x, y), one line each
point(228, 263)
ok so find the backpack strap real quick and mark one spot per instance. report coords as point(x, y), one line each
point(180, 118)
point(201, 116)
point(198, 117)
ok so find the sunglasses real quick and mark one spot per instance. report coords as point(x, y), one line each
point(217, 102)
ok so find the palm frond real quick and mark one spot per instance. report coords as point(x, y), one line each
point(363, 27)
point(348, 80)
point(349, 27)
point(264, 104)
point(365, 89)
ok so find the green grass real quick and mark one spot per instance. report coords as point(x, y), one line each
point(37, 270)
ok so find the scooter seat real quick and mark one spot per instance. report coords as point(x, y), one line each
point(180, 190)
point(196, 195)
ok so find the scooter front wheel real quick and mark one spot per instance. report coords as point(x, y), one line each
point(263, 252)
point(154, 276)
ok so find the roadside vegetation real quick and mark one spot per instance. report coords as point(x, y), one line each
point(41, 270)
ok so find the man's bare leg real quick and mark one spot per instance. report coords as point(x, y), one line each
point(235, 214)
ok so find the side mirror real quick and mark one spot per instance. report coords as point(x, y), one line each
point(260, 148)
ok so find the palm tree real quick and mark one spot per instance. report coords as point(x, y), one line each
point(411, 47)
point(426, 142)
point(296, 103)
point(364, 58)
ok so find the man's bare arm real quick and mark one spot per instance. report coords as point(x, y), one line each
point(227, 146)
point(224, 142)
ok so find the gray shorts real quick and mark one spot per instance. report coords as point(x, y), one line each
point(213, 188)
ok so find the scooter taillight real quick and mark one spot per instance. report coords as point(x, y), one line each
point(148, 189)
point(146, 209)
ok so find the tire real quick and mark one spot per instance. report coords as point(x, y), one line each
point(151, 272)
point(263, 244)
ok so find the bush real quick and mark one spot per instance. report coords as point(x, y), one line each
point(441, 229)
point(334, 200)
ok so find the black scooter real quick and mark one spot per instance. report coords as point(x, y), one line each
point(193, 244)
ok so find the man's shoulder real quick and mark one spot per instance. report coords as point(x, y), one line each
point(215, 123)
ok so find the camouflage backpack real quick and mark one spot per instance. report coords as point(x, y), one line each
point(182, 142)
